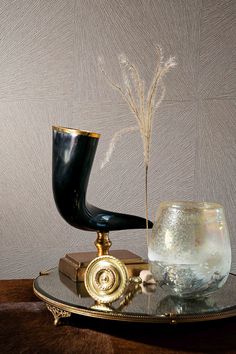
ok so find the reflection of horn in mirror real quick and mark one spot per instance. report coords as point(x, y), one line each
point(177, 305)
point(73, 155)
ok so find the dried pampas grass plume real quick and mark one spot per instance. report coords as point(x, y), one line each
point(142, 105)
point(113, 143)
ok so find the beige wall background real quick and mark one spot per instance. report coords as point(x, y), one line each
point(49, 75)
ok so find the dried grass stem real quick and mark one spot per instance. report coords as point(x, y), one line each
point(141, 105)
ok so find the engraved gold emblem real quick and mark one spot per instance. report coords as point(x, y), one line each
point(106, 279)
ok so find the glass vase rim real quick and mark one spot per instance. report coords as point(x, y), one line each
point(187, 204)
point(76, 131)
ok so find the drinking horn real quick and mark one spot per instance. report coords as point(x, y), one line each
point(73, 155)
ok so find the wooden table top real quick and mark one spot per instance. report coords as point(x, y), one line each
point(26, 326)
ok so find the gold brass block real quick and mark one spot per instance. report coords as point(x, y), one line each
point(73, 265)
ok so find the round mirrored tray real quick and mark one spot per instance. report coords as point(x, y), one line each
point(142, 304)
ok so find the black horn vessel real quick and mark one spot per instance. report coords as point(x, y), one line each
point(73, 155)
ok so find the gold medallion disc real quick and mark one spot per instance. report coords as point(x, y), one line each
point(106, 279)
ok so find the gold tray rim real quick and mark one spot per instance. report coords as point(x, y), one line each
point(170, 318)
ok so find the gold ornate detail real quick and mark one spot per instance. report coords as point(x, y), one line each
point(103, 243)
point(57, 313)
point(102, 307)
point(106, 279)
point(76, 131)
point(134, 288)
point(44, 272)
point(172, 317)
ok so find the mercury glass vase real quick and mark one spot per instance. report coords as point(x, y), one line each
point(189, 248)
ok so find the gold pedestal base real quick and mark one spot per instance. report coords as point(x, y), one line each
point(74, 265)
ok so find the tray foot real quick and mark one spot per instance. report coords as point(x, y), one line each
point(58, 314)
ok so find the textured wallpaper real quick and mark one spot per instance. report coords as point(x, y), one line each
point(49, 75)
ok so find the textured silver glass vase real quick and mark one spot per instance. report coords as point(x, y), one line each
point(189, 248)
